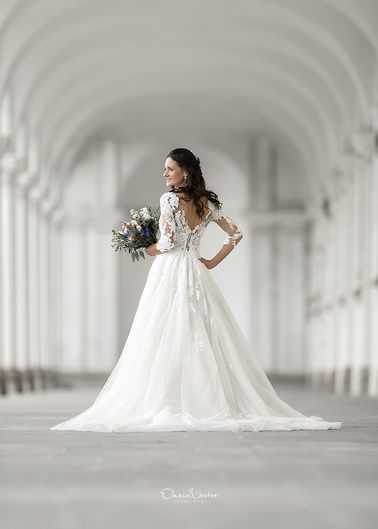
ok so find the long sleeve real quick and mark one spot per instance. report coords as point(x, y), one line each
point(167, 225)
point(234, 233)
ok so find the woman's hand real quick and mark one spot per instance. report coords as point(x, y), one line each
point(150, 250)
point(209, 263)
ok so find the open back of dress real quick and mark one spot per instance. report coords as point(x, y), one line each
point(188, 210)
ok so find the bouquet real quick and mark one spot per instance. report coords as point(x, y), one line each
point(138, 233)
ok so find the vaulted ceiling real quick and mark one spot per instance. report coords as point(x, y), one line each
point(300, 70)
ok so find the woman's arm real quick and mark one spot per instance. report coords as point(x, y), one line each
point(234, 236)
point(166, 227)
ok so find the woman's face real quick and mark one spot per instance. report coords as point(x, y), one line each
point(173, 174)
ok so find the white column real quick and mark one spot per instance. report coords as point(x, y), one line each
point(355, 283)
point(365, 249)
point(21, 283)
point(342, 289)
point(373, 267)
point(319, 273)
point(7, 276)
point(44, 292)
point(329, 299)
point(288, 299)
point(313, 301)
point(263, 270)
point(373, 276)
point(85, 309)
point(361, 260)
point(33, 283)
point(55, 292)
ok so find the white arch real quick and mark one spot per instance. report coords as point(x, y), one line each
point(283, 120)
point(365, 17)
point(294, 20)
point(259, 12)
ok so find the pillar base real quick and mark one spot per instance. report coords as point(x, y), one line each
point(13, 380)
point(373, 382)
point(29, 380)
point(22, 381)
point(343, 381)
point(17, 380)
point(3, 383)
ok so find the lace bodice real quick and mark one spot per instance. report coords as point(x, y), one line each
point(175, 233)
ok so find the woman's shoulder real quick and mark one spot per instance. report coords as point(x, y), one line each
point(168, 199)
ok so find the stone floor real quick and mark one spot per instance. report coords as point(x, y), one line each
point(63, 480)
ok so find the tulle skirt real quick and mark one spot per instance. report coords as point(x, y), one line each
point(186, 365)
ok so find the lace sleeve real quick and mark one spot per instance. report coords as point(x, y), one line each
point(234, 233)
point(167, 225)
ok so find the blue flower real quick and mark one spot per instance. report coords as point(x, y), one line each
point(146, 232)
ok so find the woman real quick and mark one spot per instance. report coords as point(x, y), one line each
point(186, 365)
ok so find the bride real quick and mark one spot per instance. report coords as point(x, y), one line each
point(186, 365)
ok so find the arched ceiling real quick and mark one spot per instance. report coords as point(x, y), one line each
point(299, 70)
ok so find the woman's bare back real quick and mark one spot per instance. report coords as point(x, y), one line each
point(189, 210)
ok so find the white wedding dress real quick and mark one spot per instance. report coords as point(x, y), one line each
point(186, 365)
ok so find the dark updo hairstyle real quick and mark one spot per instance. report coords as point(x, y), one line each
point(195, 183)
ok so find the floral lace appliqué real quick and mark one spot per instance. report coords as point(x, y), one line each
point(175, 234)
